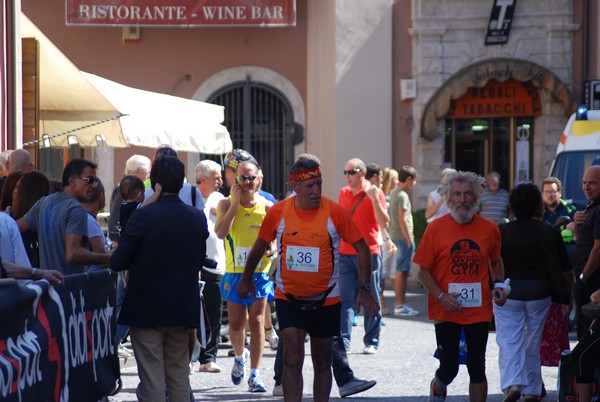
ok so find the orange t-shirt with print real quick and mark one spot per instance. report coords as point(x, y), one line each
point(458, 257)
point(308, 242)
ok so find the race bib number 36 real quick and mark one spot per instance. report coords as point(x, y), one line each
point(470, 293)
point(305, 259)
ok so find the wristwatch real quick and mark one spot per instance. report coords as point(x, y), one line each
point(581, 277)
point(366, 286)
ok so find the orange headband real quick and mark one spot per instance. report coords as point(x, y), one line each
point(304, 175)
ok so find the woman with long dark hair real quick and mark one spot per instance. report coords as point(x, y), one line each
point(32, 186)
point(6, 198)
point(530, 261)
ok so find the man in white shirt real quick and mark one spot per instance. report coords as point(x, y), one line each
point(208, 181)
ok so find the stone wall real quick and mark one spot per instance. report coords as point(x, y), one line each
point(449, 35)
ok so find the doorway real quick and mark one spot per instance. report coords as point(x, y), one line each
point(482, 145)
point(261, 121)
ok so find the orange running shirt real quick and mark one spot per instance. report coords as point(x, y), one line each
point(308, 242)
point(460, 255)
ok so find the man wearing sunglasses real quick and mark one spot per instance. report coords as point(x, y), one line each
point(239, 218)
point(366, 203)
point(230, 165)
point(61, 222)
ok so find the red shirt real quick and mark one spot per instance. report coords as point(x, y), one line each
point(364, 217)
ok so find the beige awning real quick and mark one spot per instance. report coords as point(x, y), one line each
point(68, 100)
point(74, 103)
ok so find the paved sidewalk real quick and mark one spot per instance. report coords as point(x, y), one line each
point(403, 366)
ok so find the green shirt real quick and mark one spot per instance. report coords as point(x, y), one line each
point(399, 201)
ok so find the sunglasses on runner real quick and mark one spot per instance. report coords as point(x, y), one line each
point(352, 172)
point(244, 178)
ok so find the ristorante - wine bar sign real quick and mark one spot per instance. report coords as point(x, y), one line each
point(267, 13)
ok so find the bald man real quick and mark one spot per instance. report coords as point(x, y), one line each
point(20, 161)
point(586, 258)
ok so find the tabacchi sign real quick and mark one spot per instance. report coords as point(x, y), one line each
point(190, 13)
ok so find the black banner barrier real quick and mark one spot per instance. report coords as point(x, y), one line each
point(58, 343)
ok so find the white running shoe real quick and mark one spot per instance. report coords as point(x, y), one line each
point(272, 338)
point(405, 310)
point(238, 371)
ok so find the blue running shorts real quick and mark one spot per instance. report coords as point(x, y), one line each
point(229, 284)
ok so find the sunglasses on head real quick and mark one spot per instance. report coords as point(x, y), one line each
point(352, 172)
point(90, 179)
point(244, 178)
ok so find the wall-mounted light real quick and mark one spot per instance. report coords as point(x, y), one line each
point(408, 89)
point(46, 141)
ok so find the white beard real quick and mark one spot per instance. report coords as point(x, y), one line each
point(462, 216)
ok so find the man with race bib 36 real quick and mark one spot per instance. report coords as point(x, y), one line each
point(309, 229)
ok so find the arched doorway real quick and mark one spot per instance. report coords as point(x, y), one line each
point(260, 120)
point(487, 112)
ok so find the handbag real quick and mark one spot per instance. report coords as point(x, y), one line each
point(567, 384)
point(591, 310)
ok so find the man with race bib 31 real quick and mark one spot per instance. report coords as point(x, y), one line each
point(459, 255)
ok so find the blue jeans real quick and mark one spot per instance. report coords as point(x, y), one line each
point(404, 255)
point(348, 282)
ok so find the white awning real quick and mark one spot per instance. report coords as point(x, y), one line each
point(74, 103)
point(151, 119)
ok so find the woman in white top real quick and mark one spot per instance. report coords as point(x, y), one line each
point(388, 249)
point(436, 205)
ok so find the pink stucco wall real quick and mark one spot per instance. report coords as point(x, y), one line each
point(166, 55)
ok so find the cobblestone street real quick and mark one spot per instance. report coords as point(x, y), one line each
point(403, 366)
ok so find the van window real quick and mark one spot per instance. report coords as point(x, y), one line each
point(569, 167)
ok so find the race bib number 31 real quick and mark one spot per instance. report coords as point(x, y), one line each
point(470, 293)
point(305, 259)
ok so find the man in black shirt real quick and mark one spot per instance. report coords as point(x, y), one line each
point(587, 247)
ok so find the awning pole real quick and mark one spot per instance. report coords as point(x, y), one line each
point(35, 142)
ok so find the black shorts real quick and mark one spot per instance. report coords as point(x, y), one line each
point(323, 322)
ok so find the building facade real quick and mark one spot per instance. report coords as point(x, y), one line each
point(502, 108)
point(390, 81)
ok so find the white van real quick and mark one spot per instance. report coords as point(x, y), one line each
point(579, 147)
